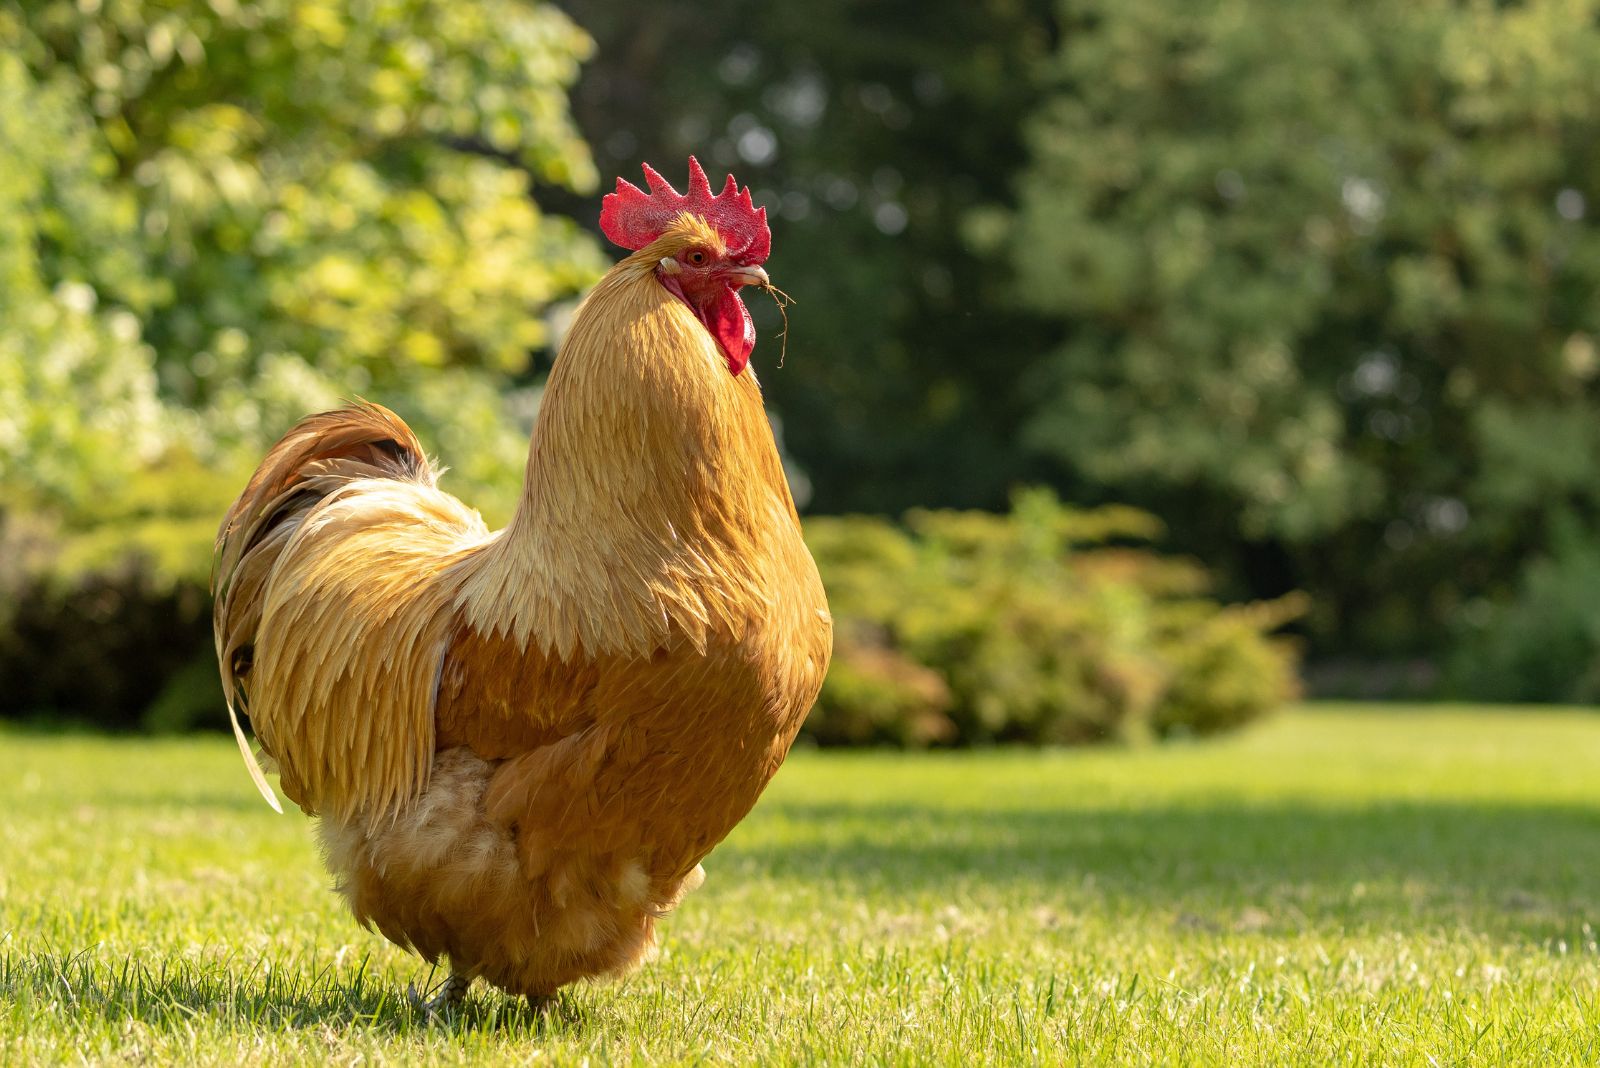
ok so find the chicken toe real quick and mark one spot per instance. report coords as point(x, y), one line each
point(451, 993)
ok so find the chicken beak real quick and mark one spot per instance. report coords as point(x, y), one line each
point(749, 276)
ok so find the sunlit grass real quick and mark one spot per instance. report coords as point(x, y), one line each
point(1341, 885)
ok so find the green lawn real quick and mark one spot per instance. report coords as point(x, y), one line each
point(1360, 885)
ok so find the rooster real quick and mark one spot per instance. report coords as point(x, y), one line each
point(520, 744)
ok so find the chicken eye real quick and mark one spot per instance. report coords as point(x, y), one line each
point(696, 258)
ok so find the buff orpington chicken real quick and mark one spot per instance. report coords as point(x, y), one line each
point(520, 744)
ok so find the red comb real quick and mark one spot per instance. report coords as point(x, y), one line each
point(633, 218)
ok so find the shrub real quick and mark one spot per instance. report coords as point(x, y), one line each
point(1222, 666)
point(105, 615)
point(103, 647)
point(881, 696)
point(1543, 642)
point(966, 627)
point(1049, 625)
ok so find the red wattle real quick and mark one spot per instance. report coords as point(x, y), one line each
point(725, 316)
point(729, 322)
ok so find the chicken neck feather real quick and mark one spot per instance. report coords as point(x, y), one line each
point(654, 495)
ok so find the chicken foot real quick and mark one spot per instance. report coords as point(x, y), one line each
point(452, 992)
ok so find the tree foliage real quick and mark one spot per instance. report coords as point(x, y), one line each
point(78, 393)
point(1326, 271)
point(269, 205)
point(1315, 285)
point(873, 131)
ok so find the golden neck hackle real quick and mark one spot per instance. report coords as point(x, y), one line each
point(653, 486)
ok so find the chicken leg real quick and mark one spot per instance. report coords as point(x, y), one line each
point(452, 992)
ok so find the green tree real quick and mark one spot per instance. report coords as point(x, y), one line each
point(78, 396)
point(307, 199)
point(872, 130)
point(1326, 283)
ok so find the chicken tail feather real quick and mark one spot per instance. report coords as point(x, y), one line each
point(251, 764)
point(322, 454)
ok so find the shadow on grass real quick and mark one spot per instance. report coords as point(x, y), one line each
point(1522, 871)
point(258, 996)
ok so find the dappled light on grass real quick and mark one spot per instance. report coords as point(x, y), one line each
point(1397, 886)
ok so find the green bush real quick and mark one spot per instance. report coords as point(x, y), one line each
point(1543, 642)
point(955, 628)
point(105, 614)
point(966, 627)
point(881, 696)
point(1222, 666)
point(106, 648)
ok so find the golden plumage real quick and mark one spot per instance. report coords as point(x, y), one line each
point(522, 743)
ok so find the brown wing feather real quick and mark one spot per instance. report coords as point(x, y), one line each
point(318, 456)
point(330, 621)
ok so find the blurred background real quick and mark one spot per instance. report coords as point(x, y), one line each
point(1151, 361)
